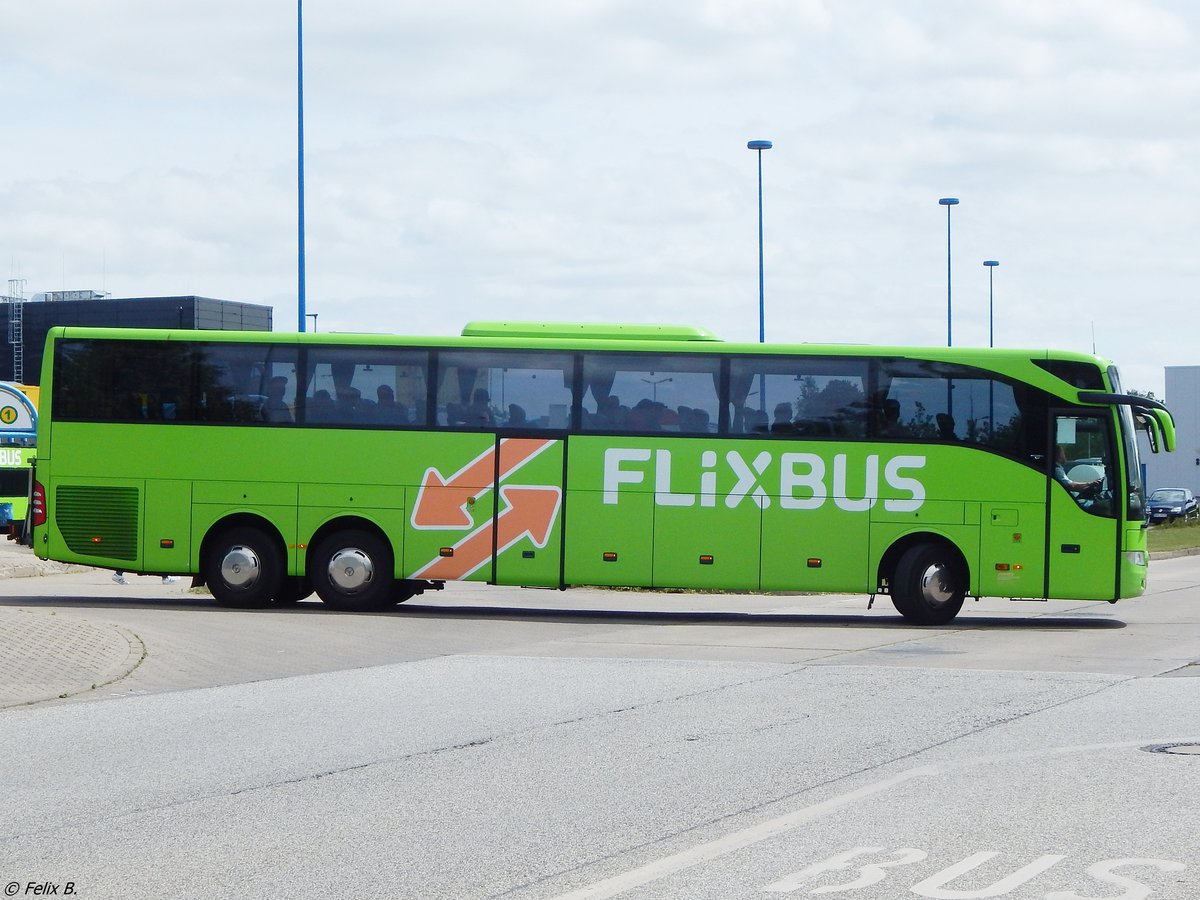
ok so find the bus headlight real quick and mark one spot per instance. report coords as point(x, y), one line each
point(1136, 557)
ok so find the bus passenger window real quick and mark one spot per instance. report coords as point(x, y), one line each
point(817, 398)
point(636, 392)
point(498, 389)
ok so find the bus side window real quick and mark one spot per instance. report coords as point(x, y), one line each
point(638, 392)
point(498, 389)
point(816, 398)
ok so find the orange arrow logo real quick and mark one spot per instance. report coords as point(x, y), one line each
point(531, 511)
point(442, 502)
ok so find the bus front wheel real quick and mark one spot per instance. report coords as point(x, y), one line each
point(352, 570)
point(244, 568)
point(930, 585)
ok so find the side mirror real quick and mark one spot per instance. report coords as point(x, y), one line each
point(1153, 433)
point(1160, 426)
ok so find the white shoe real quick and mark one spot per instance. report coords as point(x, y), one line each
point(169, 579)
point(119, 578)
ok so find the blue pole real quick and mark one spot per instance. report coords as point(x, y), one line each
point(762, 321)
point(949, 302)
point(760, 146)
point(948, 202)
point(991, 265)
point(302, 318)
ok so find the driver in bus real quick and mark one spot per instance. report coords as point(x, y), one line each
point(1081, 488)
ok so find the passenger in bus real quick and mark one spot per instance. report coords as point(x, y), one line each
point(782, 423)
point(275, 408)
point(321, 408)
point(646, 415)
point(349, 405)
point(945, 426)
point(756, 421)
point(891, 419)
point(516, 416)
point(479, 413)
point(611, 414)
point(387, 410)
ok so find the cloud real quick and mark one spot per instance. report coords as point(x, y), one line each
point(587, 161)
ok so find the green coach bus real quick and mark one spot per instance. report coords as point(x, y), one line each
point(369, 468)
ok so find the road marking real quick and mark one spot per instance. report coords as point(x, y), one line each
point(618, 884)
point(652, 871)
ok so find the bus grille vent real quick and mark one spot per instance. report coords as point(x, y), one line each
point(98, 521)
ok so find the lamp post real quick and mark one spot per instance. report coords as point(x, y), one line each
point(300, 292)
point(655, 385)
point(991, 267)
point(948, 202)
point(312, 316)
point(760, 146)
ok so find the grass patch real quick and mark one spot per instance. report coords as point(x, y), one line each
point(1174, 536)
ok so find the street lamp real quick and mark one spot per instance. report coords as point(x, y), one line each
point(312, 316)
point(948, 202)
point(300, 288)
point(991, 267)
point(760, 146)
point(655, 385)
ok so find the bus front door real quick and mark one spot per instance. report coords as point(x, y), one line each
point(1082, 508)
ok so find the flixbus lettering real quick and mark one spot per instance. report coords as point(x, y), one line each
point(796, 480)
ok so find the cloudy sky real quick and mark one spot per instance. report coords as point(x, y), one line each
point(586, 160)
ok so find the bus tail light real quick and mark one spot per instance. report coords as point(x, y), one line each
point(39, 504)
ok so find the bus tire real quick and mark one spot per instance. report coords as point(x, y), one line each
point(243, 568)
point(930, 584)
point(292, 590)
point(352, 570)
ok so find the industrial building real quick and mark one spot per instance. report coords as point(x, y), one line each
point(1180, 469)
point(25, 322)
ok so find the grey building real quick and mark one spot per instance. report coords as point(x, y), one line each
point(1181, 468)
point(24, 323)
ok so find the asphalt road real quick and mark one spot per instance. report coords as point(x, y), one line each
point(490, 742)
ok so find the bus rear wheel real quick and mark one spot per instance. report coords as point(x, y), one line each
point(244, 568)
point(930, 584)
point(352, 570)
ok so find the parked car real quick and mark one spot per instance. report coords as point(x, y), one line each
point(1169, 504)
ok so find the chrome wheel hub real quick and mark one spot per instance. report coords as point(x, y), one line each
point(936, 585)
point(351, 570)
point(241, 567)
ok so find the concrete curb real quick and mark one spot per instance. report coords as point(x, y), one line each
point(1173, 554)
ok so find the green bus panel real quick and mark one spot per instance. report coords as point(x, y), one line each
point(609, 545)
point(166, 536)
point(1133, 573)
point(1012, 550)
point(814, 550)
point(1082, 564)
point(708, 547)
point(610, 534)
